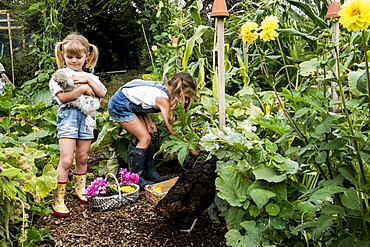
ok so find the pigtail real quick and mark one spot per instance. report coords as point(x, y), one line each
point(59, 55)
point(93, 57)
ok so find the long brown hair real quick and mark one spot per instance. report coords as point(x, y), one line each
point(180, 84)
point(75, 44)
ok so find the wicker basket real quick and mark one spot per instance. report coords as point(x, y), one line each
point(104, 203)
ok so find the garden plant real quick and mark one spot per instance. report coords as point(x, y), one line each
point(294, 154)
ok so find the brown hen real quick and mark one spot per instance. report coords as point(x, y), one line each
point(193, 192)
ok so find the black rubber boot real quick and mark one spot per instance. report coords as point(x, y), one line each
point(150, 172)
point(136, 162)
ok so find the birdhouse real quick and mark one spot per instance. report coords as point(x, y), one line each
point(333, 10)
point(219, 9)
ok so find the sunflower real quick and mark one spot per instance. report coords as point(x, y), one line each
point(355, 15)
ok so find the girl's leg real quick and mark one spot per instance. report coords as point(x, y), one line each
point(67, 150)
point(67, 147)
point(137, 156)
point(138, 129)
point(82, 153)
point(79, 174)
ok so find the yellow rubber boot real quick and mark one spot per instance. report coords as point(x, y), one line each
point(79, 183)
point(58, 206)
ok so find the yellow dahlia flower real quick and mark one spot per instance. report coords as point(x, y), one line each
point(249, 32)
point(355, 15)
point(269, 24)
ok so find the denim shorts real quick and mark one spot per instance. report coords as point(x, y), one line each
point(120, 108)
point(71, 124)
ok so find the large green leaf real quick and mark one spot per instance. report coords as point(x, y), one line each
point(326, 192)
point(261, 197)
point(232, 186)
point(305, 8)
point(357, 82)
point(268, 174)
point(252, 236)
point(47, 181)
point(307, 209)
point(323, 223)
point(190, 44)
point(350, 199)
point(234, 216)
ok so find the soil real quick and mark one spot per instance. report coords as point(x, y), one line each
point(131, 225)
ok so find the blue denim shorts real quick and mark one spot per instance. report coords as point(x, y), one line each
point(120, 108)
point(71, 124)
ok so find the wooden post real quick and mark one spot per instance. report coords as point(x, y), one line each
point(219, 11)
point(333, 9)
point(11, 46)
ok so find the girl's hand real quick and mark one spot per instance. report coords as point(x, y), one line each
point(80, 79)
point(152, 128)
point(194, 152)
point(87, 90)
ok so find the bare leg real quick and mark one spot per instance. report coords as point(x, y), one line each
point(82, 152)
point(67, 147)
point(138, 129)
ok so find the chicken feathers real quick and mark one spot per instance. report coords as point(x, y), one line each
point(193, 192)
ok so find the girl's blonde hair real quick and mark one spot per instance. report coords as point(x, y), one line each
point(75, 44)
point(180, 84)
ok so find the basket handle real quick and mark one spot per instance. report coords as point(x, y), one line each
point(118, 186)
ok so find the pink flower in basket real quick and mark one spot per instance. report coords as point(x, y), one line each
point(97, 187)
point(127, 177)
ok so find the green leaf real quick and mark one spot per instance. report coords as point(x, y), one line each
point(326, 191)
point(323, 223)
point(234, 216)
point(268, 174)
point(286, 208)
point(356, 82)
point(333, 209)
point(272, 209)
point(47, 181)
point(10, 172)
point(307, 209)
point(261, 196)
point(321, 157)
point(350, 199)
point(251, 238)
point(199, 31)
point(278, 223)
point(9, 188)
point(254, 210)
point(195, 14)
point(232, 186)
point(302, 227)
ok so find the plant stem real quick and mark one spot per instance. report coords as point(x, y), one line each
point(286, 72)
point(367, 68)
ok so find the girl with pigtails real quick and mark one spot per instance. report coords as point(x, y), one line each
point(74, 55)
point(130, 107)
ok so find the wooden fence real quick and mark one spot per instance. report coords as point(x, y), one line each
point(9, 26)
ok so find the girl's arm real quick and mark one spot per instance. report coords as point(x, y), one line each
point(96, 87)
point(145, 117)
point(164, 105)
point(77, 92)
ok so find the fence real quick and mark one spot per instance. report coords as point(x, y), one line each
point(9, 25)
